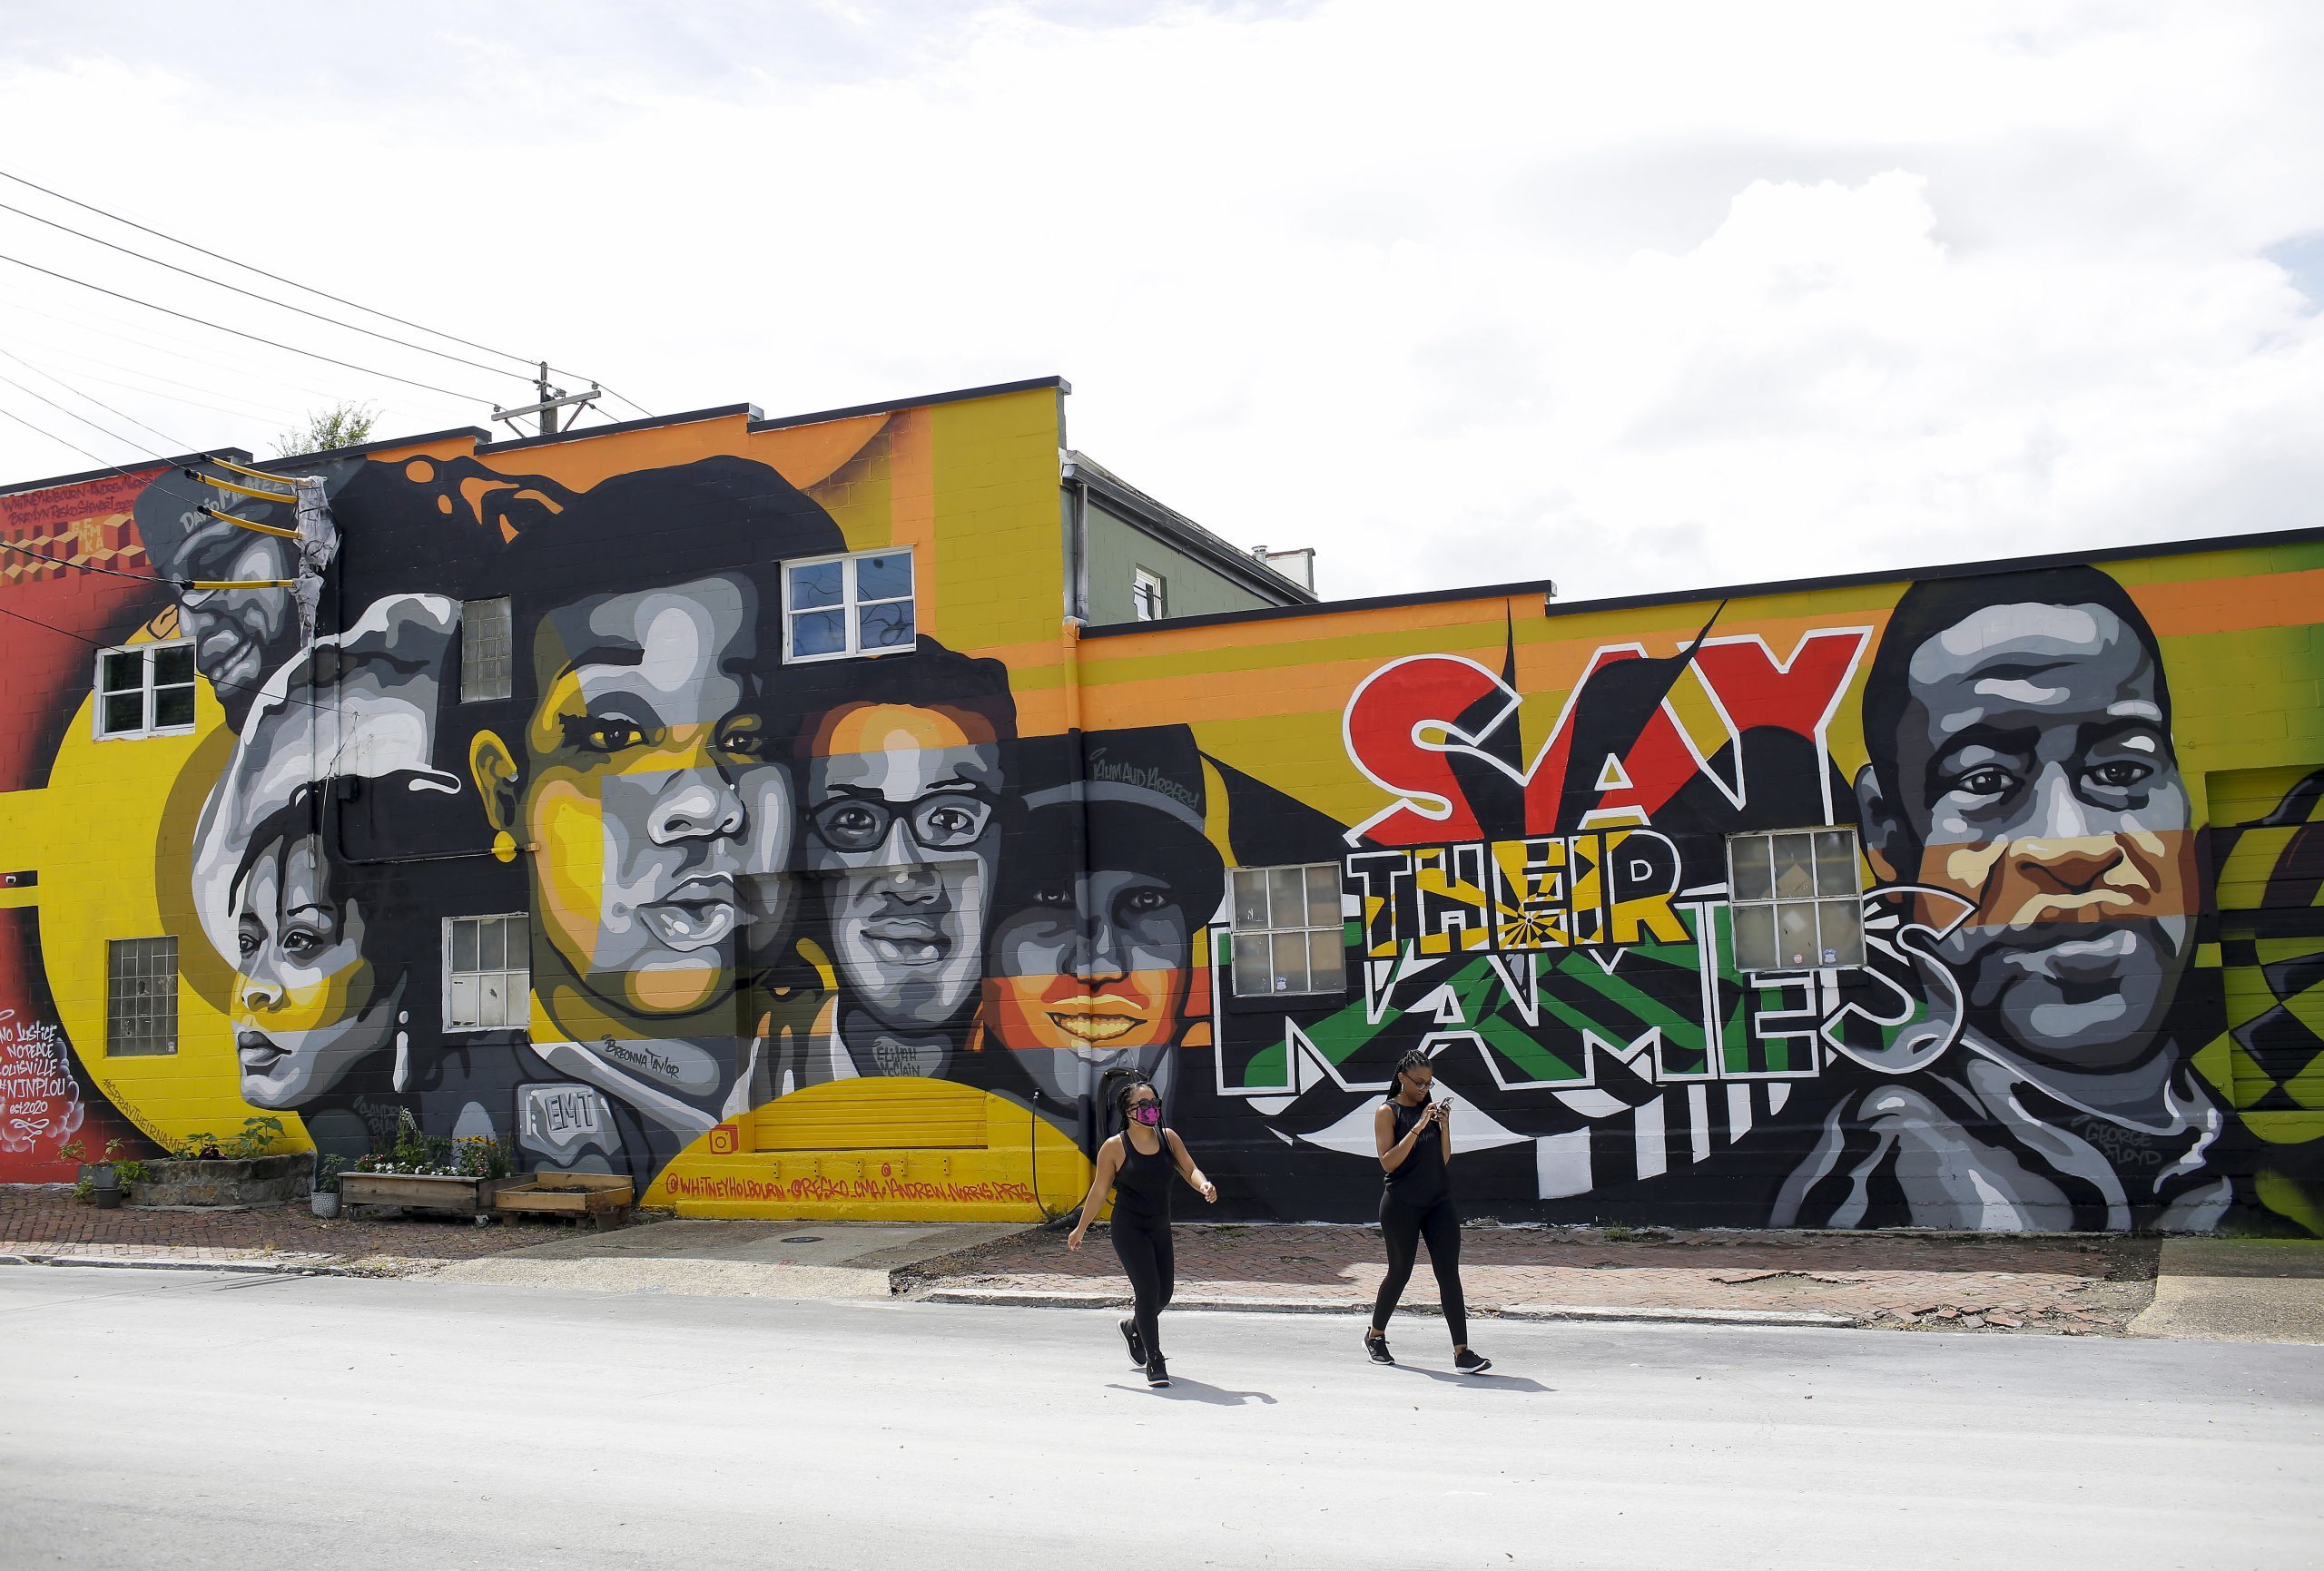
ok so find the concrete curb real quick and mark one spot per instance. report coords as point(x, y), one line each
point(1691, 1317)
point(1022, 1298)
point(246, 1267)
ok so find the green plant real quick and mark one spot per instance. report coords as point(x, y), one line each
point(259, 1136)
point(327, 1172)
point(342, 425)
point(73, 1150)
point(202, 1147)
point(411, 1151)
point(483, 1156)
point(131, 1173)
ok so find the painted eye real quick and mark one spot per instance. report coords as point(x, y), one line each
point(2121, 774)
point(301, 945)
point(600, 733)
point(1145, 900)
point(744, 743)
point(1057, 896)
point(1983, 782)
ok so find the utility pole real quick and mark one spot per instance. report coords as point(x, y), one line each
point(549, 401)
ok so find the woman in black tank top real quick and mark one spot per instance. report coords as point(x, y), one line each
point(1415, 1141)
point(1140, 1165)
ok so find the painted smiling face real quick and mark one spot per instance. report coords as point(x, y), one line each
point(238, 636)
point(2039, 783)
point(1095, 970)
point(645, 788)
point(900, 804)
point(308, 1007)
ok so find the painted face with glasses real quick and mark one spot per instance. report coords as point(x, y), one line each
point(898, 807)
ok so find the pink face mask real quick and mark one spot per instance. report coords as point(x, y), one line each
point(1147, 1113)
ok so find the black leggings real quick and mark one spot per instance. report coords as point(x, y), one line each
point(1144, 1250)
point(1403, 1226)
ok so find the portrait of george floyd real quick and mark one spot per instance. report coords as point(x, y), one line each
point(2022, 780)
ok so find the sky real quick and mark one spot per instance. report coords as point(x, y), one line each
point(1634, 297)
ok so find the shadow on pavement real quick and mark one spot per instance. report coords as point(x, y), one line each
point(1182, 1390)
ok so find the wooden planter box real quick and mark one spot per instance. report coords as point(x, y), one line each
point(418, 1191)
point(595, 1198)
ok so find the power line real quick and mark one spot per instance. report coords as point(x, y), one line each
point(256, 687)
point(253, 294)
point(251, 410)
point(100, 403)
point(90, 567)
point(209, 356)
point(526, 361)
point(85, 420)
point(102, 463)
point(254, 338)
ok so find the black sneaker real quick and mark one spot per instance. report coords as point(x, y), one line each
point(1378, 1348)
point(1467, 1362)
point(1158, 1375)
point(1136, 1343)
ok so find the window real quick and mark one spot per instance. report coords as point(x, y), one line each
point(1797, 900)
point(487, 973)
point(835, 606)
point(1288, 933)
point(1148, 596)
point(484, 649)
point(145, 690)
point(141, 996)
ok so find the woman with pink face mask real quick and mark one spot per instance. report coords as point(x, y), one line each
point(1137, 1166)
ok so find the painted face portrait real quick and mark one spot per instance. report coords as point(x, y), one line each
point(307, 1005)
point(2035, 777)
point(239, 635)
point(644, 787)
point(900, 813)
point(1097, 969)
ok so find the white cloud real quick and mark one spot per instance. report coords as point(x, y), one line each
point(1630, 297)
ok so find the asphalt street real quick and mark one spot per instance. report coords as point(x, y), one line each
point(193, 1419)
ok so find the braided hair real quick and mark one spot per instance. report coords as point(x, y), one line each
point(1125, 1082)
point(1413, 1058)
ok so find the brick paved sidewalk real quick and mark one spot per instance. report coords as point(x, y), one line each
point(2072, 1285)
point(46, 1220)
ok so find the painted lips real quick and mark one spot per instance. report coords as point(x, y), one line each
point(1100, 1020)
point(698, 913)
point(258, 1053)
point(908, 940)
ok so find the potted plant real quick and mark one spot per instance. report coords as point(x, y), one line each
point(325, 1199)
point(105, 1182)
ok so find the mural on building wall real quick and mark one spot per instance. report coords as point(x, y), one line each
point(1895, 917)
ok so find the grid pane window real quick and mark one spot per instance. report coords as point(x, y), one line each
point(1288, 938)
point(485, 643)
point(487, 972)
point(1149, 596)
point(1797, 896)
point(836, 606)
point(141, 996)
point(145, 690)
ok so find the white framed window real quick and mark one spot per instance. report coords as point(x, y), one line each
point(487, 972)
point(1149, 596)
point(1797, 899)
point(145, 690)
point(485, 645)
point(838, 606)
point(141, 997)
point(1288, 938)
